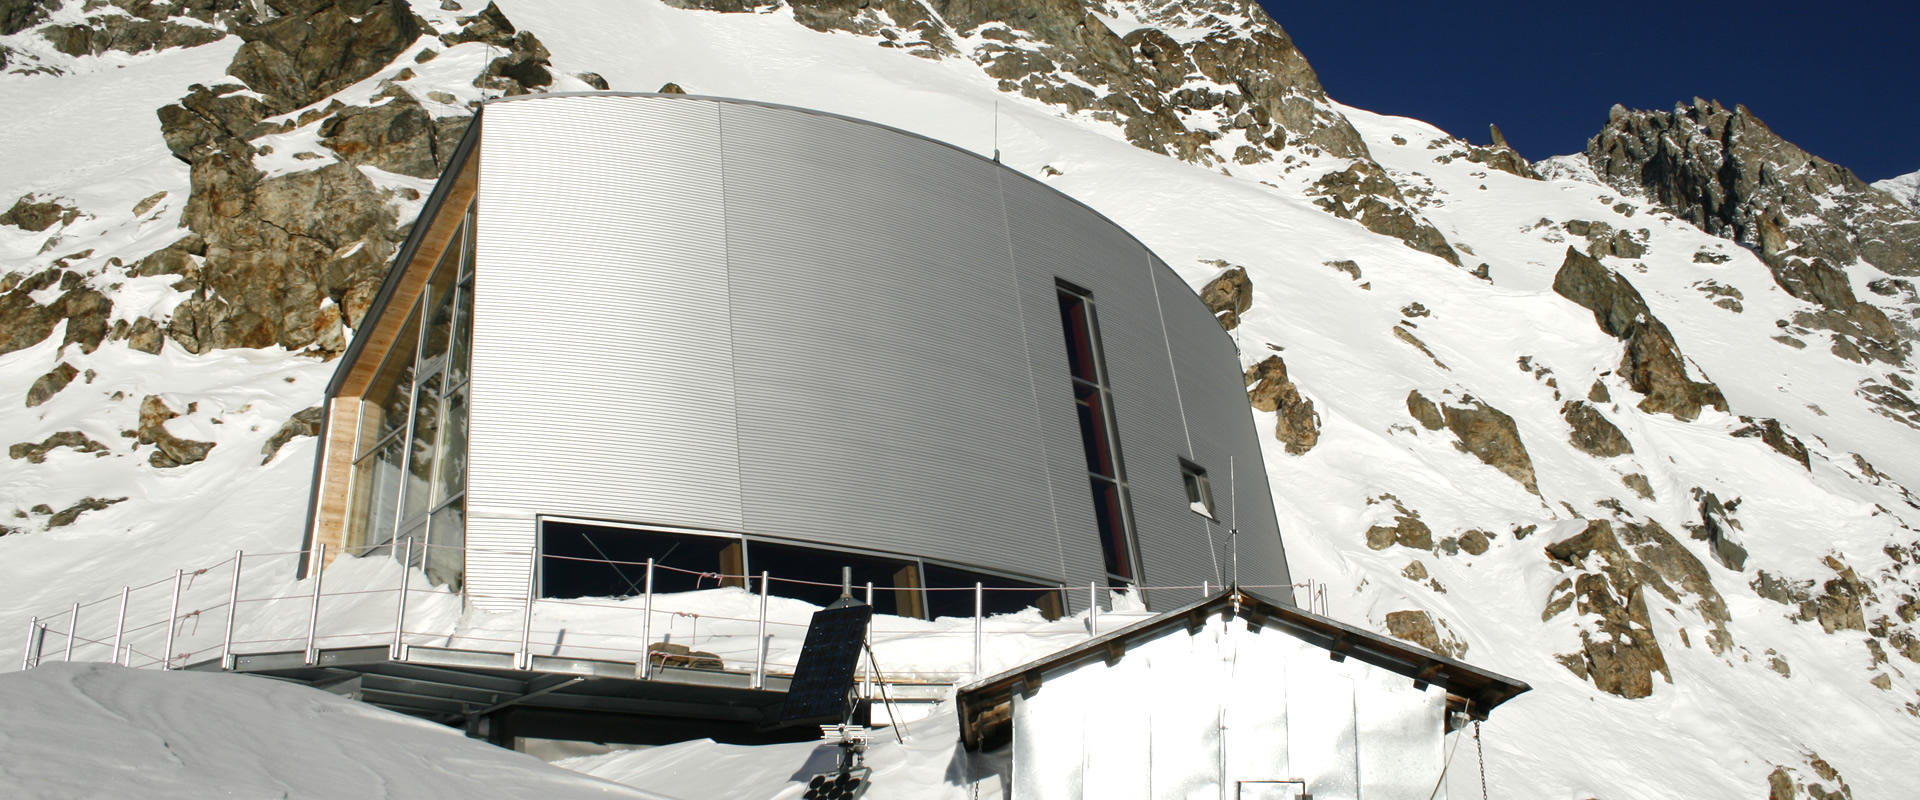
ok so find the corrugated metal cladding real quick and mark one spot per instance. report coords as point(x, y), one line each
point(739, 317)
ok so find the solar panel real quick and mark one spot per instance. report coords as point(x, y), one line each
point(827, 662)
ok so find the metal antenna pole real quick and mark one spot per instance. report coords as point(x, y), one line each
point(313, 609)
point(173, 612)
point(1233, 517)
point(646, 625)
point(400, 613)
point(120, 626)
point(233, 607)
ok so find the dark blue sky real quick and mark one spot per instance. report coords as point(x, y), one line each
point(1841, 79)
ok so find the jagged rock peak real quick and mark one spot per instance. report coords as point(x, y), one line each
point(1728, 173)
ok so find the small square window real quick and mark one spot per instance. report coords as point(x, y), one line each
point(1199, 494)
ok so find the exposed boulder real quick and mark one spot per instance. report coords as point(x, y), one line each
point(35, 215)
point(172, 451)
point(397, 136)
point(1417, 627)
point(50, 384)
point(305, 422)
point(525, 64)
point(19, 15)
point(1716, 527)
point(1229, 294)
point(1407, 530)
point(1641, 487)
point(313, 48)
point(1362, 192)
point(1486, 432)
point(1271, 390)
point(37, 453)
point(71, 514)
point(1652, 363)
point(127, 34)
point(1776, 437)
point(1592, 432)
point(25, 322)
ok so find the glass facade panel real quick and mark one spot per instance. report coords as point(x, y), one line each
point(453, 448)
point(390, 396)
point(422, 447)
point(462, 337)
point(446, 558)
point(377, 495)
point(413, 431)
point(439, 329)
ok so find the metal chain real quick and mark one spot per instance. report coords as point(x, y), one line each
point(1480, 754)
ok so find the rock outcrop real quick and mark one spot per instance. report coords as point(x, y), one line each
point(1417, 627)
point(1776, 437)
point(36, 453)
point(1716, 527)
point(1269, 389)
point(1617, 566)
point(306, 422)
point(1726, 172)
point(1406, 531)
point(1592, 432)
point(1229, 294)
point(1652, 363)
point(1486, 432)
point(50, 384)
point(24, 322)
point(170, 450)
point(1363, 193)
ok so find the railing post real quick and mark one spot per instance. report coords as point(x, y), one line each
point(525, 658)
point(73, 631)
point(646, 626)
point(866, 677)
point(760, 639)
point(233, 607)
point(1093, 608)
point(26, 653)
point(979, 633)
point(400, 613)
point(173, 613)
point(319, 571)
point(119, 625)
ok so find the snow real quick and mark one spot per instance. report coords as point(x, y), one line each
point(1905, 187)
point(195, 735)
point(1715, 731)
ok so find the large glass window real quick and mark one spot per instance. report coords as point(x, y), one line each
point(1093, 400)
point(410, 470)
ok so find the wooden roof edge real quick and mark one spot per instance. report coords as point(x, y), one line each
point(442, 189)
point(1480, 690)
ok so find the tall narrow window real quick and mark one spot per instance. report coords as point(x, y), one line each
point(1112, 512)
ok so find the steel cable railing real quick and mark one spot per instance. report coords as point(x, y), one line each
point(566, 627)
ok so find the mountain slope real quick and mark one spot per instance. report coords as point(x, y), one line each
point(1520, 462)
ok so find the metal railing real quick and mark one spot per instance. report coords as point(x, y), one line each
point(743, 623)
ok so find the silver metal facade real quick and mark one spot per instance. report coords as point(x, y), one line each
point(747, 318)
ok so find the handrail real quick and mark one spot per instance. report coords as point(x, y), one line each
point(774, 639)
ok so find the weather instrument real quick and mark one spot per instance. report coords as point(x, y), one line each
point(822, 688)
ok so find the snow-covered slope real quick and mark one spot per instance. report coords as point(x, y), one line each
point(1905, 187)
point(1795, 662)
point(95, 730)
